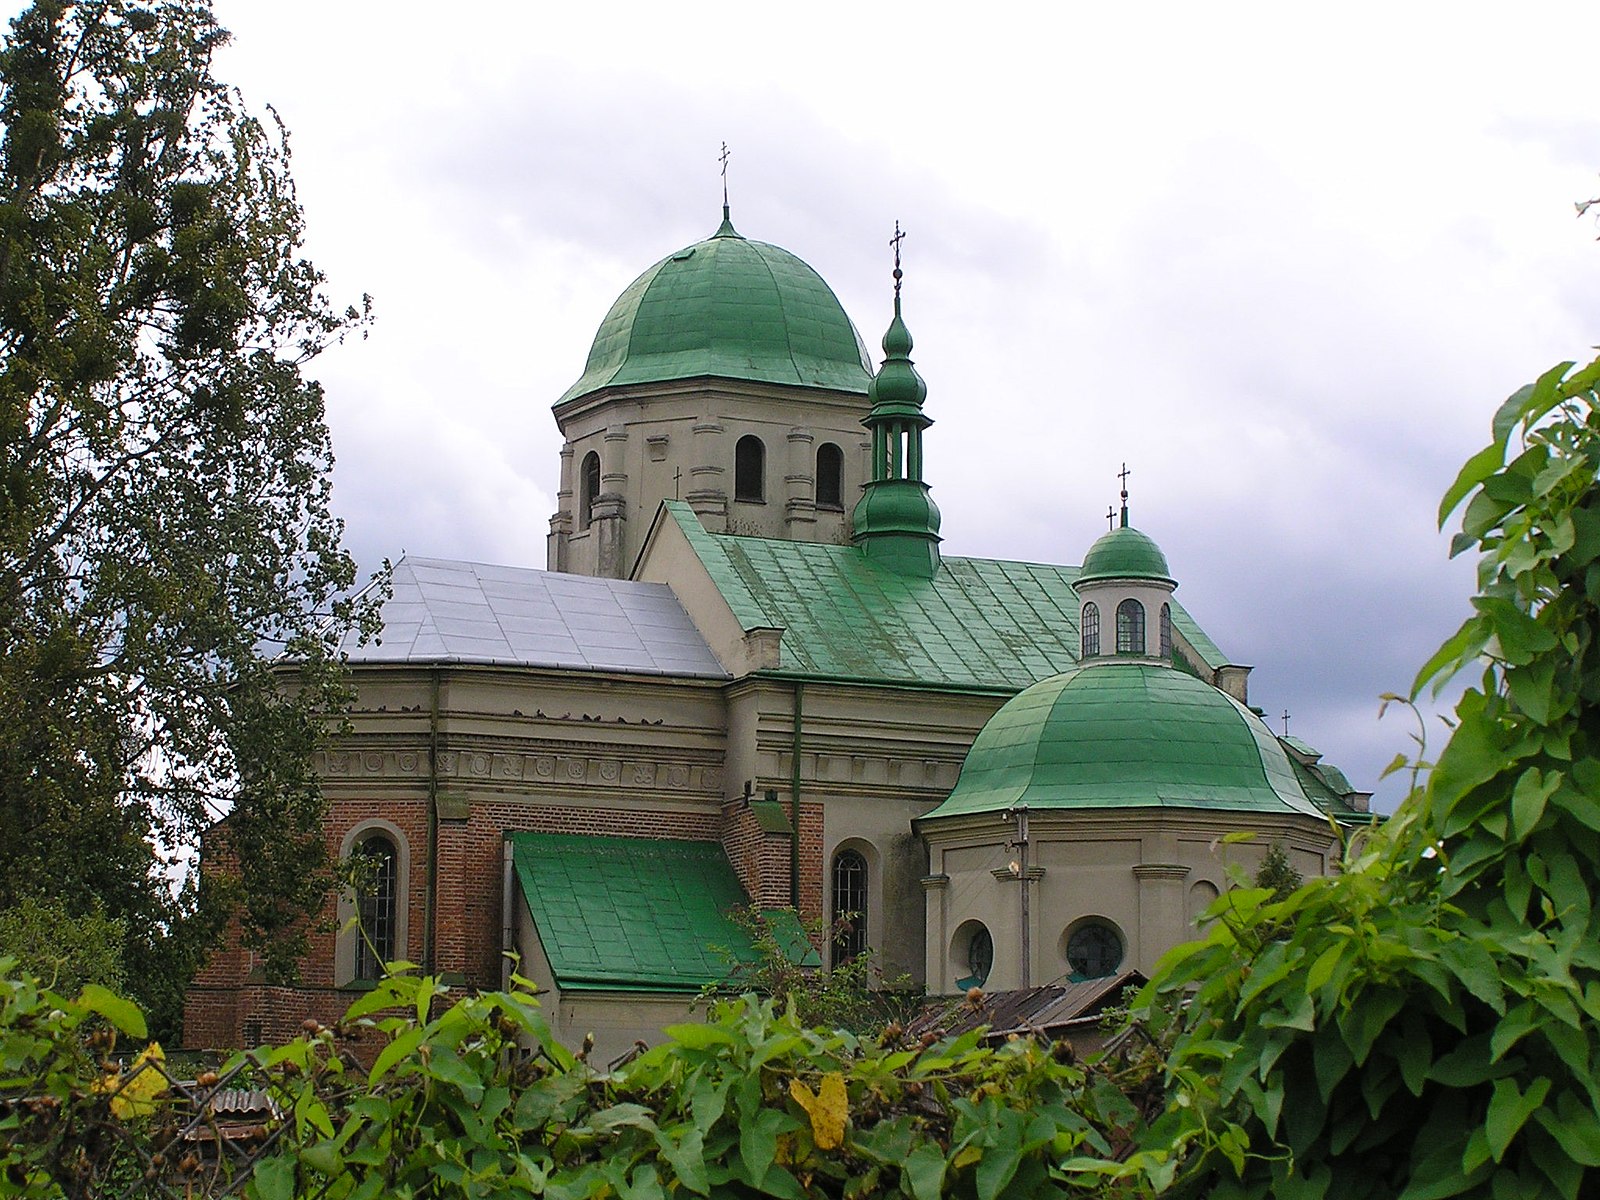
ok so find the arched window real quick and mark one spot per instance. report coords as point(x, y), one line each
point(1094, 950)
point(1166, 631)
point(1090, 629)
point(377, 898)
point(588, 488)
point(750, 470)
point(849, 906)
point(1130, 627)
point(830, 476)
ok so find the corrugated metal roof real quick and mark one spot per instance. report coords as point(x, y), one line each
point(442, 610)
point(979, 622)
point(1044, 1009)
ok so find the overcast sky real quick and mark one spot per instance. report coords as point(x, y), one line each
point(1283, 260)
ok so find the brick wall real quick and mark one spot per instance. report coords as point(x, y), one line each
point(228, 1005)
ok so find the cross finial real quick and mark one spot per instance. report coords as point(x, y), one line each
point(1286, 722)
point(899, 236)
point(1111, 517)
point(1123, 475)
point(723, 158)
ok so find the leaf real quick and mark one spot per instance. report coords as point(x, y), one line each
point(924, 1168)
point(124, 1014)
point(758, 1144)
point(1509, 1110)
point(401, 1047)
point(1476, 469)
point(1575, 1126)
point(1528, 800)
point(272, 1179)
point(134, 1093)
point(828, 1108)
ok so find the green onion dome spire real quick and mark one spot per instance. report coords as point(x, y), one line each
point(896, 521)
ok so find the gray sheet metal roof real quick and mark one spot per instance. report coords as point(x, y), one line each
point(447, 611)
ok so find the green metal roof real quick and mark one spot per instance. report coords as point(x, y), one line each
point(1124, 553)
point(1126, 735)
point(732, 308)
point(630, 914)
point(978, 623)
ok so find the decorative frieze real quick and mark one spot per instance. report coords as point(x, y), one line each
point(540, 769)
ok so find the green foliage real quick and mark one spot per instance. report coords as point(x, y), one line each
point(64, 950)
point(1425, 1023)
point(853, 995)
point(164, 486)
point(475, 1098)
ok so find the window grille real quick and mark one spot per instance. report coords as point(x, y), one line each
point(849, 906)
point(1090, 629)
point(1130, 627)
point(376, 904)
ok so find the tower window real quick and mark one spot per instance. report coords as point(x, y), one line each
point(588, 488)
point(1089, 630)
point(849, 906)
point(375, 905)
point(750, 470)
point(1166, 631)
point(1130, 627)
point(830, 476)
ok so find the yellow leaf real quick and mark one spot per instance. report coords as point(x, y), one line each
point(828, 1108)
point(967, 1157)
point(134, 1094)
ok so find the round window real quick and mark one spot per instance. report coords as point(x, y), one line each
point(971, 955)
point(1094, 950)
point(980, 954)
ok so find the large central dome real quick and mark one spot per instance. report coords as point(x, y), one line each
point(731, 308)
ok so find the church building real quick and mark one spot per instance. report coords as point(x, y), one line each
point(749, 677)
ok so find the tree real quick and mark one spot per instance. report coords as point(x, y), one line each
point(165, 530)
point(64, 950)
point(1276, 873)
point(1427, 1023)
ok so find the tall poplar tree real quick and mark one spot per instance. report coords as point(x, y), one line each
point(166, 541)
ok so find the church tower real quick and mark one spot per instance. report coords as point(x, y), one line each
point(896, 522)
point(727, 376)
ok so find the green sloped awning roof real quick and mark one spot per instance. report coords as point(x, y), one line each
point(978, 623)
point(633, 914)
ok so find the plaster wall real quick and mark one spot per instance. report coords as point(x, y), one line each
point(1148, 875)
point(678, 440)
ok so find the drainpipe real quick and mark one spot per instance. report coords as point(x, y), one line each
point(1022, 861)
point(794, 798)
point(508, 925)
point(428, 928)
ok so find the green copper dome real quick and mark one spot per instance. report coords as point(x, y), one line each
point(732, 308)
point(1124, 553)
point(1126, 735)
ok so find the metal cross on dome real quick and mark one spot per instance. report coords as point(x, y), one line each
point(723, 159)
point(899, 236)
